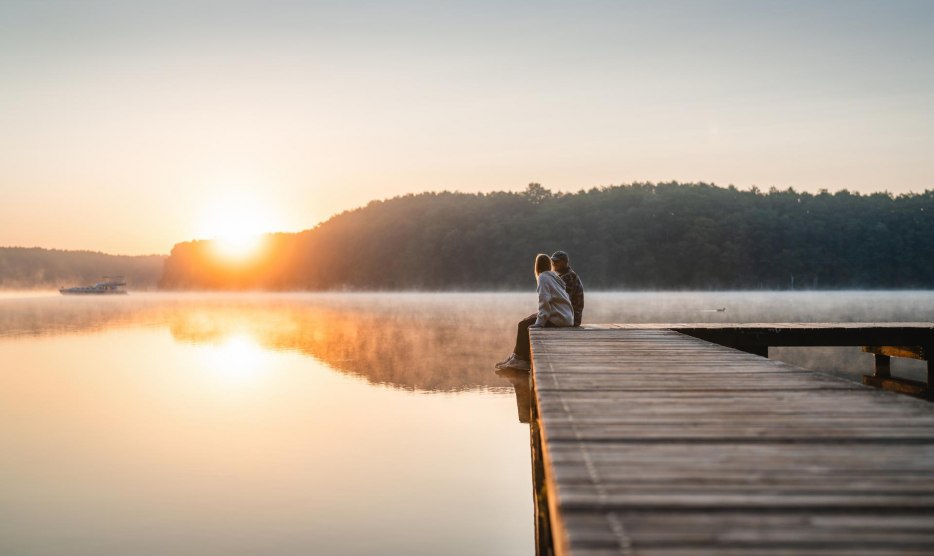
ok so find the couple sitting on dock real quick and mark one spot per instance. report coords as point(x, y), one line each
point(560, 303)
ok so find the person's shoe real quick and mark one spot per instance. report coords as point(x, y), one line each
point(519, 364)
point(505, 362)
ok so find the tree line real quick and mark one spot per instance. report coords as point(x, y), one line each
point(634, 236)
point(34, 267)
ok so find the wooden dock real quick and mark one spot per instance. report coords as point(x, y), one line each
point(647, 440)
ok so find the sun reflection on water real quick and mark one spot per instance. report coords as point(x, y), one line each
point(237, 360)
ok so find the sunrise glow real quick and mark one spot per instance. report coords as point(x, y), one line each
point(237, 223)
point(238, 246)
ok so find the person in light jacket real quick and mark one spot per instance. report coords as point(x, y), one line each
point(554, 303)
point(554, 309)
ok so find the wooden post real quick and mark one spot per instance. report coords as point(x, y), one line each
point(884, 366)
point(544, 543)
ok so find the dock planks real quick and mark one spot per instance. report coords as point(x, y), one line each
point(648, 441)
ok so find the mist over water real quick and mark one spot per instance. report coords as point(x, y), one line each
point(190, 423)
point(406, 339)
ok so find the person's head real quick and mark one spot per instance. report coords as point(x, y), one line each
point(542, 263)
point(560, 262)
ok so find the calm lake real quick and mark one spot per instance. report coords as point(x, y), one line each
point(279, 424)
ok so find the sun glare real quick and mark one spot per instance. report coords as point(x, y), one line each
point(237, 224)
point(238, 246)
point(237, 360)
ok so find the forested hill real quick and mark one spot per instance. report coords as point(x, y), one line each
point(33, 267)
point(633, 236)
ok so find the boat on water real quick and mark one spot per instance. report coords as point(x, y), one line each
point(111, 285)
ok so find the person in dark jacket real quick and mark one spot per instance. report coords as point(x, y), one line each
point(519, 359)
point(561, 264)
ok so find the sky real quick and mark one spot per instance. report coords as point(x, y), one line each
point(129, 126)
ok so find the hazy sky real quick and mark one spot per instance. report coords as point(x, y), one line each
point(128, 126)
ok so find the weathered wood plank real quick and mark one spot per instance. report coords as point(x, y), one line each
point(656, 442)
point(910, 352)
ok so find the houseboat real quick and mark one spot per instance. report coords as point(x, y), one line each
point(111, 285)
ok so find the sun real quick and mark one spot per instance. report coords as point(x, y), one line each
point(237, 225)
point(238, 246)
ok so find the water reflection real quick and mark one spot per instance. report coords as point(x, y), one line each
point(415, 342)
point(522, 385)
point(447, 342)
point(238, 359)
point(212, 425)
point(408, 349)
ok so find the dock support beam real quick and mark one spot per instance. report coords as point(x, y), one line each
point(883, 367)
point(882, 372)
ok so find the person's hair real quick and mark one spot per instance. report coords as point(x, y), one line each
point(542, 263)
